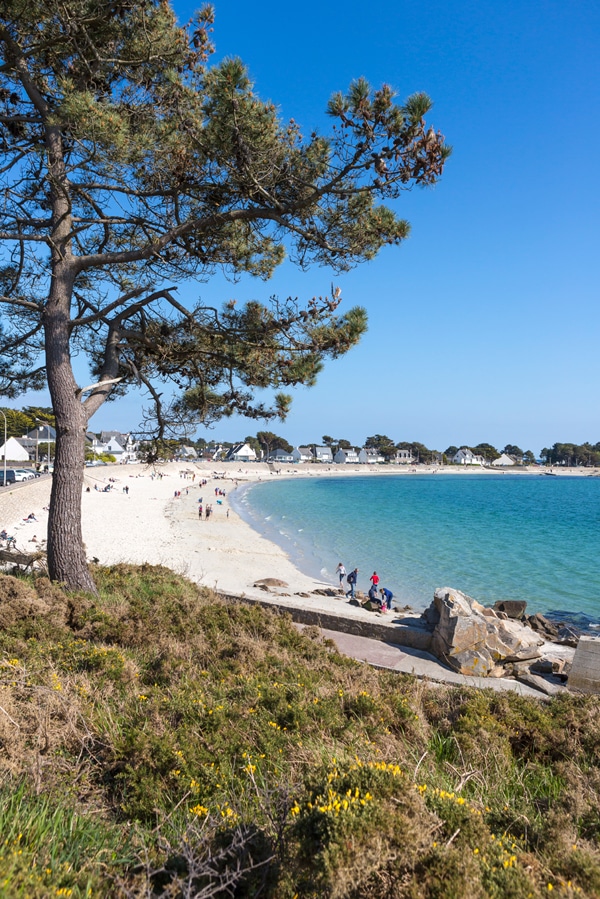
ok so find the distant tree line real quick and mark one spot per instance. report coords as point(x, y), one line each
point(21, 421)
point(585, 454)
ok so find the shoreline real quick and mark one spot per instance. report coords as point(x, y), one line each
point(149, 524)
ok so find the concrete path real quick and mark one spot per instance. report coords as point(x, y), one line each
point(417, 663)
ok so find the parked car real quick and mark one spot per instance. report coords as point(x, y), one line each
point(21, 474)
point(10, 476)
point(27, 474)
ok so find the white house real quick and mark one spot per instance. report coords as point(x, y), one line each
point(241, 452)
point(403, 457)
point(187, 452)
point(323, 454)
point(370, 456)
point(280, 455)
point(347, 457)
point(302, 454)
point(465, 456)
point(14, 451)
point(122, 446)
point(504, 459)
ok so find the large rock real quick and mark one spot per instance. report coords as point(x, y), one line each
point(514, 608)
point(542, 625)
point(468, 639)
point(459, 633)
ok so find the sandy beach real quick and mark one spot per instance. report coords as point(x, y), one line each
point(150, 523)
point(151, 515)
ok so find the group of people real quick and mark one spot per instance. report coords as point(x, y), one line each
point(378, 595)
point(207, 511)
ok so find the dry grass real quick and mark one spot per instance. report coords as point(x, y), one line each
point(262, 759)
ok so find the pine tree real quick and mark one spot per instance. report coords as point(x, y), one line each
point(130, 165)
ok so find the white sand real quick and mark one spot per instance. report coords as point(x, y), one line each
point(149, 524)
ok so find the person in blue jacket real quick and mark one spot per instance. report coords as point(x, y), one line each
point(386, 597)
point(352, 578)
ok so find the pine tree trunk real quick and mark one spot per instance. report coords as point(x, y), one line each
point(66, 553)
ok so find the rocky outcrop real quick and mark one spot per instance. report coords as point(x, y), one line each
point(472, 639)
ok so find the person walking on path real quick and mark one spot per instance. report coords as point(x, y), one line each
point(352, 578)
point(341, 572)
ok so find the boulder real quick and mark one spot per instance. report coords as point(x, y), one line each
point(542, 625)
point(458, 627)
point(548, 666)
point(459, 633)
point(568, 636)
point(371, 606)
point(471, 641)
point(541, 684)
point(514, 608)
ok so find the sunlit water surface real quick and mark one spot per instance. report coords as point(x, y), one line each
point(493, 537)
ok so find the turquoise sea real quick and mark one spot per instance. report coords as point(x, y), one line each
point(494, 537)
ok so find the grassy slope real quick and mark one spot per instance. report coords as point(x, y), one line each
point(160, 741)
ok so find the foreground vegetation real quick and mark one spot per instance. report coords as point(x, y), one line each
point(160, 741)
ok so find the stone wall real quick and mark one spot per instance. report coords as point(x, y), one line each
point(585, 673)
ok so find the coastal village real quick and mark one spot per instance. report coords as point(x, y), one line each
point(36, 446)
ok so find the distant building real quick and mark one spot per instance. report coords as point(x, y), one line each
point(371, 456)
point(187, 452)
point(122, 446)
point(45, 434)
point(403, 457)
point(241, 452)
point(503, 460)
point(347, 457)
point(322, 454)
point(14, 451)
point(280, 455)
point(303, 454)
point(465, 456)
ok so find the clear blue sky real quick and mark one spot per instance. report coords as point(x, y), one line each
point(484, 325)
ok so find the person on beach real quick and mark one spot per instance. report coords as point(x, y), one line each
point(352, 579)
point(200, 511)
point(386, 598)
point(373, 596)
point(341, 572)
point(374, 579)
